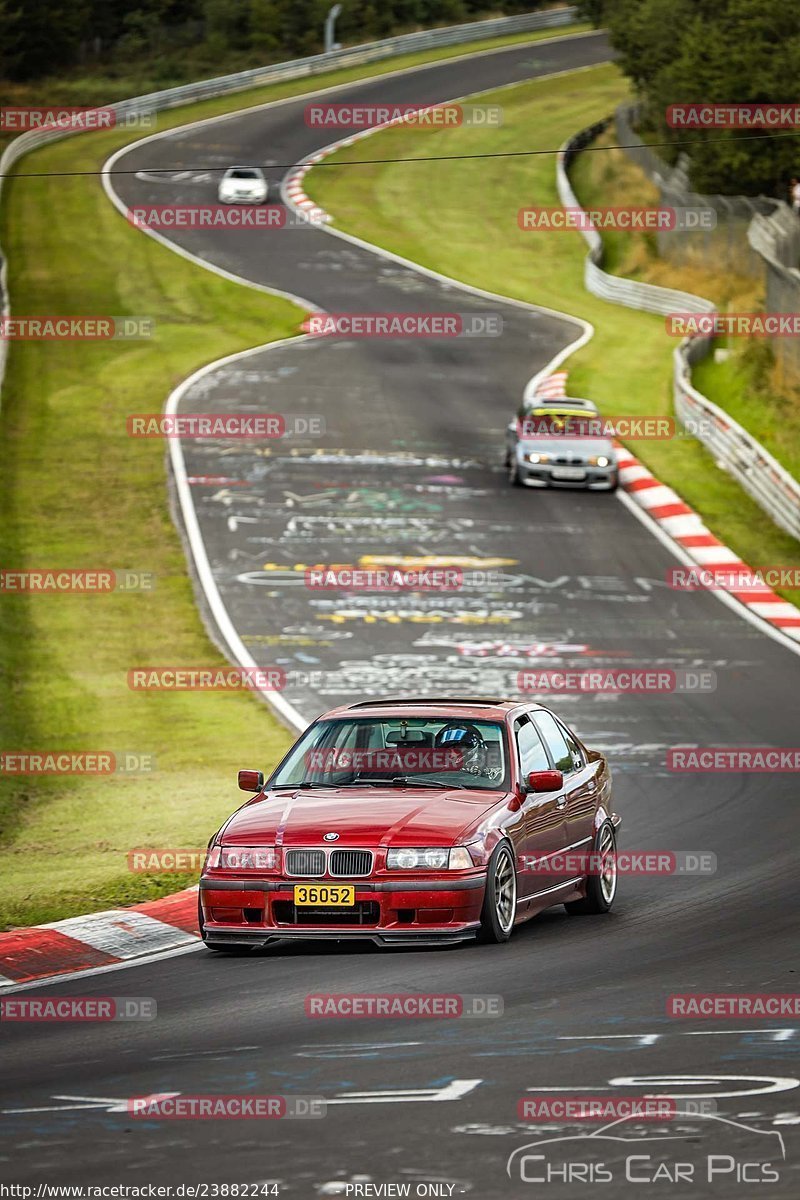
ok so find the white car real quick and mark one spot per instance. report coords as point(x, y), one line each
point(243, 185)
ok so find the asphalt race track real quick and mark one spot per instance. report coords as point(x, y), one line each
point(410, 467)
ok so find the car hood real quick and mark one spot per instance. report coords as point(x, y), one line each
point(579, 447)
point(361, 817)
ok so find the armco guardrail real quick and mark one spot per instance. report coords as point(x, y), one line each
point(647, 297)
point(735, 450)
point(762, 476)
point(297, 68)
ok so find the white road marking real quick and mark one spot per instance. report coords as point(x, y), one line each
point(455, 1090)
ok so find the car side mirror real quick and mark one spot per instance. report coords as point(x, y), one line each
point(251, 781)
point(545, 781)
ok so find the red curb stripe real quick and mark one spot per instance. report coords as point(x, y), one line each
point(179, 909)
point(753, 596)
point(784, 622)
point(639, 485)
point(32, 953)
point(676, 509)
point(698, 539)
point(768, 598)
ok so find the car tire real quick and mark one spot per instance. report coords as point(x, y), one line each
point(513, 473)
point(500, 898)
point(601, 889)
point(221, 949)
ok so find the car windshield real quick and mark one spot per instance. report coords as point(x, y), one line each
point(243, 174)
point(562, 425)
point(365, 751)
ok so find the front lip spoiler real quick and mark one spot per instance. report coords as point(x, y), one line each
point(236, 937)
point(470, 883)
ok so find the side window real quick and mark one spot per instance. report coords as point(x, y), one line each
point(574, 749)
point(556, 743)
point(532, 754)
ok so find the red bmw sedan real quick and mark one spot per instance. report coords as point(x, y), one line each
point(414, 822)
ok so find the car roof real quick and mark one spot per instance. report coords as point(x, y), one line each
point(557, 403)
point(244, 167)
point(492, 707)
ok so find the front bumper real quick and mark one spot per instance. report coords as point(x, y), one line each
point(541, 475)
point(239, 199)
point(386, 911)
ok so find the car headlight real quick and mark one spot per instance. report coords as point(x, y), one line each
point(600, 460)
point(242, 858)
point(430, 858)
point(536, 458)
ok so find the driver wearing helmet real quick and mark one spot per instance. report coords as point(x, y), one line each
point(468, 744)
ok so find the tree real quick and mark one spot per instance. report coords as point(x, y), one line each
point(715, 51)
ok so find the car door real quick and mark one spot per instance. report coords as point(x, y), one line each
point(544, 816)
point(583, 795)
point(579, 782)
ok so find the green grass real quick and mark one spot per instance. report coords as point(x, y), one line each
point(77, 492)
point(460, 218)
point(744, 385)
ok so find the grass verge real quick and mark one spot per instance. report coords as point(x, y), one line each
point(460, 218)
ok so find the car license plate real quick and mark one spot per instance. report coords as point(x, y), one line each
point(324, 895)
point(569, 473)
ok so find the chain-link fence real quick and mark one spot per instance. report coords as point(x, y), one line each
point(755, 236)
point(727, 240)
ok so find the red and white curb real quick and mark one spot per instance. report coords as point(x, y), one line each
point(684, 527)
point(293, 191)
point(294, 194)
point(552, 387)
point(682, 524)
point(99, 939)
